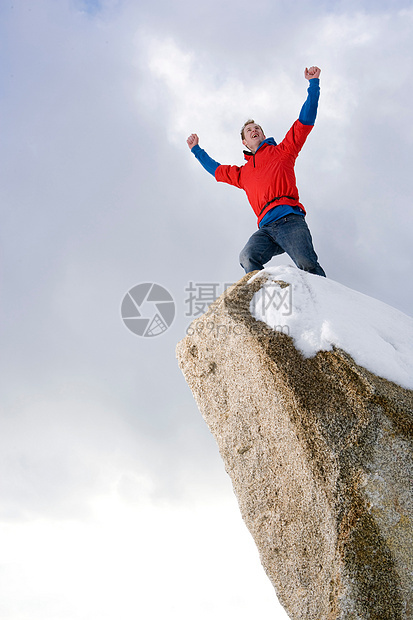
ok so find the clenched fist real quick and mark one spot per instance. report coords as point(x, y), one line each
point(312, 72)
point(192, 140)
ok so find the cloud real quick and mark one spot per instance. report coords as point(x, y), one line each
point(99, 193)
point(117, 563)
point(364, 104)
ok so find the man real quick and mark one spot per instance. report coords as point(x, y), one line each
point(268, 179)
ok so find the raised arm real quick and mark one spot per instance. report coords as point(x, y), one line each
point(309, 110)
point(202, 156)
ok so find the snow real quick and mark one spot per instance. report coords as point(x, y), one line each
point(319, 313)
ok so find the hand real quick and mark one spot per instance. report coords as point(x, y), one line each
point(192, 140)
point(312, 72)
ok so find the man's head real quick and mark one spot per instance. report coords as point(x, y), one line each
point(252, 135)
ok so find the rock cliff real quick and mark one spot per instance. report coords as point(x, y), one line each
point(319, 450)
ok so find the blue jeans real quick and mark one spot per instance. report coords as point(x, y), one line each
point(289, 234)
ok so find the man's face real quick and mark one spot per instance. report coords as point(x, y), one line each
point(254, 135)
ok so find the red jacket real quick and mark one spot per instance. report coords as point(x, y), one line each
point(268, 177)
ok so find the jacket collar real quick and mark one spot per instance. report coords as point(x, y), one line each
point(248, 154)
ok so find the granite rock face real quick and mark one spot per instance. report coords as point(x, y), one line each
point(320, 455)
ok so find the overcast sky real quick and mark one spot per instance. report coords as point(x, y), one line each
point(114, 501)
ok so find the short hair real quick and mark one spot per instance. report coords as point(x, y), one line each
point(248, 122)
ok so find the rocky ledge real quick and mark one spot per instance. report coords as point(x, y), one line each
point(319, 450)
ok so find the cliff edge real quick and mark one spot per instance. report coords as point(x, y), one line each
point(318, 447)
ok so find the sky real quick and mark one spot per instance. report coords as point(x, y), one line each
point(114, 500)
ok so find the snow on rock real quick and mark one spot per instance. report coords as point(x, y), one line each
point(319, 313)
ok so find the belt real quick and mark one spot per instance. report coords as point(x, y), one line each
point(273, 200)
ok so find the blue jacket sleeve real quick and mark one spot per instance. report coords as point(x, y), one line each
point(309, 110)
point(205, 160)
